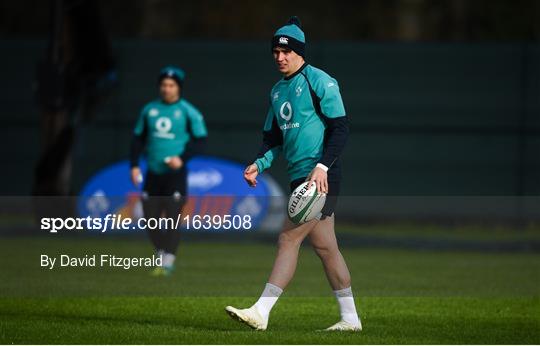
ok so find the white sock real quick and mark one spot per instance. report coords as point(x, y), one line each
point(267, 300)
point(347, 308)
point(168, 259)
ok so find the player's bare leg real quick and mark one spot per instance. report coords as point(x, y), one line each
point(286, 260)
point(323, 240)
point(289, 242)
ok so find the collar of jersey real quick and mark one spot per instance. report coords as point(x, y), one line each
point(170, 104)
point(297, 72)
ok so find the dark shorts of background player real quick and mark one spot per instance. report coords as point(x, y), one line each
point(168, 184)
point(331, 198)
point(164, 195)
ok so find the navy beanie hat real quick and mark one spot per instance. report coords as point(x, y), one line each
point(291, 36)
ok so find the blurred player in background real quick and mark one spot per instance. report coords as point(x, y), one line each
point(306, 121)
point(171, 130)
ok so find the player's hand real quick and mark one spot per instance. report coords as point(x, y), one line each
point(174, 162)
point(320, 177)
point(136, 176)
point(250, 174)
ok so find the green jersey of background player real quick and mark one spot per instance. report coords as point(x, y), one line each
point(306, 122)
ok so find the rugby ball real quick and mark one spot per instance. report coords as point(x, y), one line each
point(305, 203)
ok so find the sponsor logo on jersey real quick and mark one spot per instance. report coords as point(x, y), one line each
point(153, 112)
point(283, 40)
point(331, 84)
point(177, 113)
point(289, 126)
point(285, 111)
point(298, 91)
point(276, 95)
point(163, 127)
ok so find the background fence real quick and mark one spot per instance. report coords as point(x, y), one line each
point(427, 118)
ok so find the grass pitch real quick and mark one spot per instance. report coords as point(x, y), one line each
point(403, 296)
point(157, 320)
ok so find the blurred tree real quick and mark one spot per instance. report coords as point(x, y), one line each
point(446, 20)
point(76, 73)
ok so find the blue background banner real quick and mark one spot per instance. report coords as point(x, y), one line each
point(215, 187)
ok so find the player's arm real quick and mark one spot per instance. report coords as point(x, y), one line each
point(138, 141)
point(337, 129)
point(198, 136)
point(337, 135)
point(196, 129)
point(270, 148)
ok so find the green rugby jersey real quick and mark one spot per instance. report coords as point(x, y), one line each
point(167, 128)
point(293, 112)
